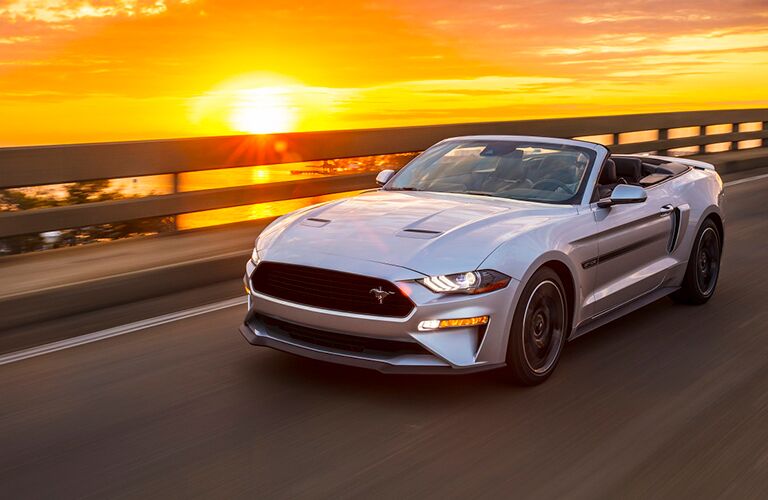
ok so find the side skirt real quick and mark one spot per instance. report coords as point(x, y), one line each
point(603, 319)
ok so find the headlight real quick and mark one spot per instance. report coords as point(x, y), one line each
point(470, 282)
point(255, 256)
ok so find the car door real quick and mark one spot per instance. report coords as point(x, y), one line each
point(633, 248)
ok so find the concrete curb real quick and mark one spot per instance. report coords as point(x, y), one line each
point(731, 162)
point(740, 165)
point(100, 293)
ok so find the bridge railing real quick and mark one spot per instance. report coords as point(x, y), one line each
point(45, 165)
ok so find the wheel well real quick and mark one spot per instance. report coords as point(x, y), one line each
point(719, 224)
point(570, 288)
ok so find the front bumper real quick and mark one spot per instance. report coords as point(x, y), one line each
point(404, 364)
point(457, 350)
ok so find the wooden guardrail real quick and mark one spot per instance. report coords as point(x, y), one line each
point(42, 165)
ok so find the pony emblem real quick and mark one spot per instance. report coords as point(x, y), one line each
point(380, 294)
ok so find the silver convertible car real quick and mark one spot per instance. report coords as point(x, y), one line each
point(485, 252)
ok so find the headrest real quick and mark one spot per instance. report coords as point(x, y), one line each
point(499, 148)
point(510, 166)
point(631, 168)
point(608, 174)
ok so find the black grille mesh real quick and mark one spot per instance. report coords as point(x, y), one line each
point(329, 289)
point(349, 343)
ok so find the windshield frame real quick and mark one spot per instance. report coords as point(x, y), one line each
point(596, 155)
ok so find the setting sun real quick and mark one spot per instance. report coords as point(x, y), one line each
point(254, 103)
point(261, 111)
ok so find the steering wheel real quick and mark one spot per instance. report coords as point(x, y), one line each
point(551, 182)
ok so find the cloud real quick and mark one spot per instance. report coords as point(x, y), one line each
point(675, 49)
point(619, 18)
point(11, 40)
point(67, 11)
point(496, 84)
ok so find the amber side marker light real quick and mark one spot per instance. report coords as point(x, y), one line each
point(438, 324)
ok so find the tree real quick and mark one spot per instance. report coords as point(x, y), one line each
point(76, 193)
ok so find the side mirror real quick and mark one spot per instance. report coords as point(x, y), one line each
point(624, 194)
point(384, 176)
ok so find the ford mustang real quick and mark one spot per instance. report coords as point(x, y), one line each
point(485, 252)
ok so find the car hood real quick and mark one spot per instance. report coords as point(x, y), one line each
point(431, 233)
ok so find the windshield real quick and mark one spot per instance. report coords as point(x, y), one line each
point(550, 173)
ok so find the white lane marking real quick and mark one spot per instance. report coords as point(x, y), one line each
point(119, 330)
point(748, 179)
point(169, 318)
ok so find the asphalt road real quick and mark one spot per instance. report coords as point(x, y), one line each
point(669, 402)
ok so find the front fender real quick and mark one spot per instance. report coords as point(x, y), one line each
point(569, 243)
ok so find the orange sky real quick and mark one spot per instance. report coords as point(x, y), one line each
point(82, 71)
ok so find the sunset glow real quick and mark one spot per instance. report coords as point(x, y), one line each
point(84, 71)
point(261, 111)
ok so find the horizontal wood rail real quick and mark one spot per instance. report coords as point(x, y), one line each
point(42, 165)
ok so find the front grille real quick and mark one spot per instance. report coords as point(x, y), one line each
point(338, 341)
point(329, 289)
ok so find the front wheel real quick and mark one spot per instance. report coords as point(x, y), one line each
point(539, 329)
point(703, 266)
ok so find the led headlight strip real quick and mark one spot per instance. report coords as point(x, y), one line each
point(471, 282)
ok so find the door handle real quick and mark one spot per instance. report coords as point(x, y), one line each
point(666, 209)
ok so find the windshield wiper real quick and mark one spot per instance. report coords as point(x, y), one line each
point(478, 193)
point(404, 188)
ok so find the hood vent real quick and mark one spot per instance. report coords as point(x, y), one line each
point(314, 222)
point(424, 234)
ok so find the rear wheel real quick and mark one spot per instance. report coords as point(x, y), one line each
point(539, 329)
point(703, 266)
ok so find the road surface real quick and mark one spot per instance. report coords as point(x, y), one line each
point(668, 402)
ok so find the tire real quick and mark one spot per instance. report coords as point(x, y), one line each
point(539, 329)
point(703, 266)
